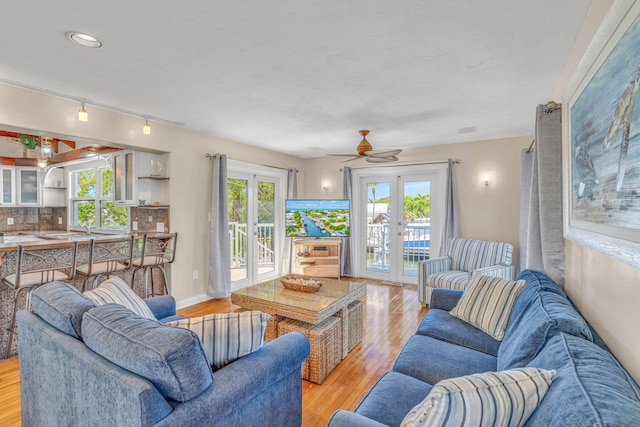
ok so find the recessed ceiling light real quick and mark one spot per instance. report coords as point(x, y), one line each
point(469, 129)
point(84, 39)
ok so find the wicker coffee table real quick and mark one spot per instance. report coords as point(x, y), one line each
point(333, 298)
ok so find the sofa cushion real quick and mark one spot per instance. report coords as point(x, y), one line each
point(504, 398)
point(226, 337)
point(539, 281)
point(443, 326)
point(469, 254)
point(406, 391)
point(432, 360)
point(544, 315)
point(487, 303)
point(452, 279)
point(170, 358)
point(590, 388)
point(114, 290)
point(62, 306)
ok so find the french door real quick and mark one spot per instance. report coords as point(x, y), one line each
point(256, 206)
point(399, 220)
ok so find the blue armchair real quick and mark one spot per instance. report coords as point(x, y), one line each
point(465, 259)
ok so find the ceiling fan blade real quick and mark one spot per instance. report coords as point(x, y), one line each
point(382, 153)
point(346, 155)
point(382, 159)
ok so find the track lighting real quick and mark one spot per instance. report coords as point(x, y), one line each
point(146, 129)
point(83, 116)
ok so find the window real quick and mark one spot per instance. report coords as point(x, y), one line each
point(92, 200)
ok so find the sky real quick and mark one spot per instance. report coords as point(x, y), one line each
point(411, 188)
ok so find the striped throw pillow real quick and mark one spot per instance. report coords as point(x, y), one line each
point(487, 303)
point(115, 290)
point(226, 337)
point(491, 399)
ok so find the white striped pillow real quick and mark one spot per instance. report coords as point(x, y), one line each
point(115, 290)
point(505, 398)
point(226, 337)
point(487, 303)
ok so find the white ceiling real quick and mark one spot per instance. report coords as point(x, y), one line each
point(302, 77)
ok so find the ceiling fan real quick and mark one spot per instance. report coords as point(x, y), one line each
point(365, 150)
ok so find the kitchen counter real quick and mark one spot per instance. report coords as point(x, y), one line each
point(56, 238)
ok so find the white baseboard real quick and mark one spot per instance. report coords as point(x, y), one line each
point(193, 300)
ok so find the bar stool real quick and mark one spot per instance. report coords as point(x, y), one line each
point(104, 258)
point(34, 267)
point(154, 253)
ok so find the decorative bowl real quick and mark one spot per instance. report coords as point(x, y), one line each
point(301, 284)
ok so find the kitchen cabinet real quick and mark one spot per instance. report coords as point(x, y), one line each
point(124, 178)
point(8, 187)
point(29, 188)
point(318, 257)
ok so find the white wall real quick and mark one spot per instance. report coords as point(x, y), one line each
point(190, 172)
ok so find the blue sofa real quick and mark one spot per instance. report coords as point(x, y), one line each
point(544, 331)
point(66, 383)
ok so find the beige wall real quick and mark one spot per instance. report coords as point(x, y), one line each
point(486, 212)
point(190, 172)
point(607, 293)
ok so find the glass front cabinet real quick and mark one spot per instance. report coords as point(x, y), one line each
point(8, 187)
point(29, 188)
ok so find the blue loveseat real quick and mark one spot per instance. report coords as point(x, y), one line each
point(65, 383)
point(544, 331)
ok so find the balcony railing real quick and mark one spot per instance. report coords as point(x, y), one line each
point(238, 244)
point(416, 247)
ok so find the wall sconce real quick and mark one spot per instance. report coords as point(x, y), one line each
point(325, 186)
point(487, 178)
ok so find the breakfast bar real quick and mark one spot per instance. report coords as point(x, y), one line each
point(60, 240)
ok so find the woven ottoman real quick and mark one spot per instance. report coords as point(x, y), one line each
point(355, 313)
point(326, 346)
point(271, 331)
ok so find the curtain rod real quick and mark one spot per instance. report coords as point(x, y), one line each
point(531, 146)
point(211, 156)
point(434, 162)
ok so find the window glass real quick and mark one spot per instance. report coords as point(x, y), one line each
point(93, 204)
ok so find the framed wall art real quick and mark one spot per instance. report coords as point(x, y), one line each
point(601, 140)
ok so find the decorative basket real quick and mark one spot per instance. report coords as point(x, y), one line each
point(301, 284)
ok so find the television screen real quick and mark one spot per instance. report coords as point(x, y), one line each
point(317, 218)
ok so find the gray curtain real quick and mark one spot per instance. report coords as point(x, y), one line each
point(219, 253)
point(544, 242)
point(526, 170)
point(451, 224)
point(288, 254)
point(346, 264)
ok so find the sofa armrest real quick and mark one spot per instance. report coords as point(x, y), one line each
point(435, 265)
point(162, 306)
point(260, 379)
point(504, 271)
point(444, 299)
point(342, 418)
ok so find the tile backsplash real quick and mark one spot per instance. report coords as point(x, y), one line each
point(149, 217)
point(32, 219)
point(46, 218)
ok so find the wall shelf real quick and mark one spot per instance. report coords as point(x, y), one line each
point(154, 178)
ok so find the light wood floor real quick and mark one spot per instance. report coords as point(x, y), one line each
point(391, 316)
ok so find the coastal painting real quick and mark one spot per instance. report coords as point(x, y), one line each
point(605, 141)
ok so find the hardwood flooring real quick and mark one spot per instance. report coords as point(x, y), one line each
point(391, 316)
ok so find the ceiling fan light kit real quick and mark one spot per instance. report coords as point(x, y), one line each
point(364, 149)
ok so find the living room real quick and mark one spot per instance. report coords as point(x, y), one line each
point(602, 287)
